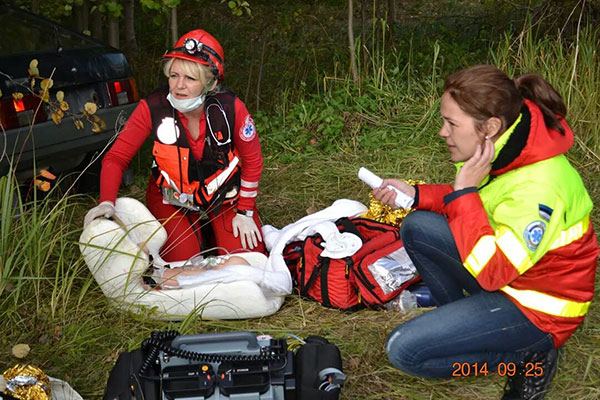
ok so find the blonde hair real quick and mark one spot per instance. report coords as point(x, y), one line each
point(193, 69)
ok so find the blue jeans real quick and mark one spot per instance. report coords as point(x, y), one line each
point(483, 327)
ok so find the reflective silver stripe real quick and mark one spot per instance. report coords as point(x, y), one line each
point(572, 234)
point(481, 254)
point(513, 249)
point(248, 193)
point(249, 185)
point(547, 304)
point(213, 185)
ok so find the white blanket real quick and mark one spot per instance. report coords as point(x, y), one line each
point(319, 222)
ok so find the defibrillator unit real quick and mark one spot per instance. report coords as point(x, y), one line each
point(235, 365)
point(226, 366)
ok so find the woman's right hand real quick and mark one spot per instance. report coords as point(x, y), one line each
point(105, 209)
point(388, 196)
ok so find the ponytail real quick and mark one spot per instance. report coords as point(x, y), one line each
point(533, 87)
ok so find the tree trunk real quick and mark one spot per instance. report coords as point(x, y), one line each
point(81, 14)
point(35, 6)
point(363, 33)
point(129, 28)
point(391, 17)
point(174, 34)
point(260, 72)
point(96, 24)
point(351, 41)
point(113, 32)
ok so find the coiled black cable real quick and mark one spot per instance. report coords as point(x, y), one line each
point(158, 341)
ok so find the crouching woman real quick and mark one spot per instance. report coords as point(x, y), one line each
point(508, 250)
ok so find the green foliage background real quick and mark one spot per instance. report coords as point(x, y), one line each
point(317, 127)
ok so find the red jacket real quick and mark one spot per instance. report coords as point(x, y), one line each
point(526, 231)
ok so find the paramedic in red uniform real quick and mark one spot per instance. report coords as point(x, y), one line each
point(207, 159)
point(513, 231)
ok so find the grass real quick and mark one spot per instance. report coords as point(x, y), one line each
point(313, 148)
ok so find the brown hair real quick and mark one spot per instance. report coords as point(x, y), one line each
point(483, 91)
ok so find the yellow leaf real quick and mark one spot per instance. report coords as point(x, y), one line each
point(32, 83)
point(33, 72)
point(45, 95)
point(64, 105)
point(78, 124)
point(102, 124)
point(96, 128)
point(33, 63)
point(17, 95)
point(91, 108)
point(0, 92)
point(20, 350)
point(55, 118)
point(60, 113)
point(60, 96)
point(47, 83)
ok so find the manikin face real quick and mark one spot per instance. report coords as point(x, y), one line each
point(181, 85)
point(458, 130)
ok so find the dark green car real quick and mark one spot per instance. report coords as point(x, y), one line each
point(64, 96)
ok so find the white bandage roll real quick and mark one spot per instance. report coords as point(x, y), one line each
point(402, 199)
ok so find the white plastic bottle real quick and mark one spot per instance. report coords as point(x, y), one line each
point(405, 302)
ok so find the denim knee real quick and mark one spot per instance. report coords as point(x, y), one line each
point(416, 224)
point(410, 223)
point(401, 350)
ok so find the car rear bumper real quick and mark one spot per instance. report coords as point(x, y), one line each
point(60, 147)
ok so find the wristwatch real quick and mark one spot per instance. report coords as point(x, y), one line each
point(247, 213)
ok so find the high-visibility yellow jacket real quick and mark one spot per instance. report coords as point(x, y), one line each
point(526, 229)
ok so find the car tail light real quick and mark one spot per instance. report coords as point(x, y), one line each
point(20, 112)
point(122, 92)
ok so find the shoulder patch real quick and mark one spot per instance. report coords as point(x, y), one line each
point(167, 131)
point(533, 234)
point(248, 131)
point(545, 212)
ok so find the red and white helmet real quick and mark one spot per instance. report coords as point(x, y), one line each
point(202, 47)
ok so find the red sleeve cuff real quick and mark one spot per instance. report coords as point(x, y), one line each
point(431, 197)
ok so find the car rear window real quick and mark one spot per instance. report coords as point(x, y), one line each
point(22, 33)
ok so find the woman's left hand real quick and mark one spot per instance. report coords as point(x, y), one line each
point(246, 229)
point(476, 168)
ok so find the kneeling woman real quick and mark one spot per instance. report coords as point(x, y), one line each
point(513, 231)
point(207, 159)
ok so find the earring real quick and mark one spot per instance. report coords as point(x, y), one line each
point(486, 137)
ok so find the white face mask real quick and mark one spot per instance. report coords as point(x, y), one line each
point(186, 105)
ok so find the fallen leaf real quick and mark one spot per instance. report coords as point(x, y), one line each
point(20, 350)
point(78, 124)
point(57, 332)
point(311, 210)
point(64, 105)
point(44, 339)
point(33, 63)
point(60, 96)
point(17, 95)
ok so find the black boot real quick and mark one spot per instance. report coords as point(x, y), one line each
point(525, 385)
